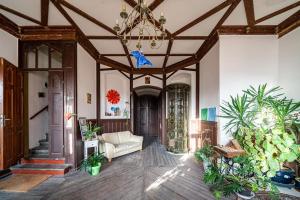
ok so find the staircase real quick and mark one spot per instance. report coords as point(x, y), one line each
point(40, 163)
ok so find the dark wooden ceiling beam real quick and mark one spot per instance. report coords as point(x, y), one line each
point(84, 42)
point(114, 64)
point(278, 12)
point(246, 30)
point(48, 33)
point(128, 55)
point(202, 17)
point(205, 47)
point(19, 14)
point(170, 44)
point(88, 17)
point(9, 26)
point(249, 8)
point(149, 54)
point(108, 37)
point(44, 12)
point(288, 25)
point(147, 71)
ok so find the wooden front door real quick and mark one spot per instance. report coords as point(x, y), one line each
point(56, 114)
point(146, 120)
point(11, 114)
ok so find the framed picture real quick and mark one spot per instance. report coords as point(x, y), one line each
point(88, 98)
point(147, 80)
point(82, 125)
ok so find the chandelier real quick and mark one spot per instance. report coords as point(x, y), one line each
point(141, 24)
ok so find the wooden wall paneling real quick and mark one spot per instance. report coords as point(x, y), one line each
point(197, 90)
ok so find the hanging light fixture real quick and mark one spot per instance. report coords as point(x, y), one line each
point(141, 21)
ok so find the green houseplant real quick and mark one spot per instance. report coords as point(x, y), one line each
point(205, 155)
point(93, 163)
point(263, 122)
point(91, 131)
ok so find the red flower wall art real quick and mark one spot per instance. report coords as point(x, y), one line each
point(113, 96)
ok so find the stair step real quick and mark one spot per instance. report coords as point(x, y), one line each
point(51, 169)
point(42, 160)
point(44, 143)
point(40, 150)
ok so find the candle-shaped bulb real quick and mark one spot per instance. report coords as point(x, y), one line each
point(117, 21)
point(161, 14)
point(124, 7)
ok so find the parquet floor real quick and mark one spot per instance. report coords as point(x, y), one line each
point(152, 174)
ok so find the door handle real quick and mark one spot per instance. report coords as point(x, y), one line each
point(3, 120)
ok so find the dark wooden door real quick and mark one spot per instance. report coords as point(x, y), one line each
point(146, 112)
point(56, 113)
point(11, 96)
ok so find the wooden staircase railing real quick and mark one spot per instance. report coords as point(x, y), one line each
point(39, 112)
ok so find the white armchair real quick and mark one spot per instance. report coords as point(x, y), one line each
point(119, 143)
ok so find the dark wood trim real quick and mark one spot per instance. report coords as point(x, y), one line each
point(170, 44)
point(48, 33)
point(114, 64)
point(155, 77)
point(39, 112)
point(140, 76)
point(108, 69)
point(197, 90)
point(9, 26)
point(181, 64)
point(98, 91)
point(188, 69)
point(131, 104)
point(249, 8)
point(44, 12)
point(158, 54)
point(112, 37)
point(289, 24)
point(147, 71)
point(124, 74)
point(19, 14)
point(202, 17)
point(128, 55)
point(171, 74)
point(163, 111)
point(246, 30)
point(278, 12)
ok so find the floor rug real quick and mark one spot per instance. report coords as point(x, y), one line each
point(22, 182)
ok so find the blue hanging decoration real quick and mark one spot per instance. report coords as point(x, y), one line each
point(141, 60)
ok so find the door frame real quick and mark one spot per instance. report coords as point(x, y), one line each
point(160, 111)
point(70, 81)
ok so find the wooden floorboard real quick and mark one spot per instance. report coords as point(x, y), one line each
point(151, 174)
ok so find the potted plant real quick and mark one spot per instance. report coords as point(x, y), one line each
point(261, 120)
point(91, 131)
point(205, 155)
point(93, 163)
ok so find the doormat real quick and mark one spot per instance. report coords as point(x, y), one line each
point(22, 182)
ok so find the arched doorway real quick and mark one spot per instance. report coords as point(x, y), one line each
point(147, 112)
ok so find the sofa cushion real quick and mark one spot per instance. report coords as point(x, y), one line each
point(111, 138)
point(126, 146)
point(124, 136)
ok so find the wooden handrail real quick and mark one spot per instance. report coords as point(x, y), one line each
point(39, 112)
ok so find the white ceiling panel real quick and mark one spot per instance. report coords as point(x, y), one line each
point(105, 11)
point(55, 17)
point(31, 8)
point(108, 46)
point(265, 7)
point(146, 48)
point(238, 16)
point(120, 59)
point(279, 18)
point(18, 20)
point(87, 26)
point(186, 46)
point(181, 12)
point(175, 59)
point(157, 61)
point(206, 26)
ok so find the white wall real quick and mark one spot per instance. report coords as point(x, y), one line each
point(117, 81)
point(153, 81)
point(86, 83)
point(9, 47)
point(38, 127)
point(289, 64)
point(209, 79)
point(245, 61)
